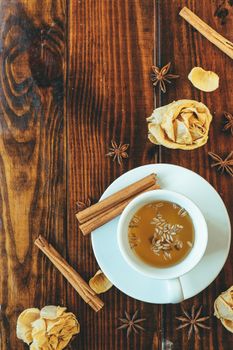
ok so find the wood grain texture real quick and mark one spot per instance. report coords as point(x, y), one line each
point(187, 48)
point(32, 156)
point(75, 75)
point(110, 57)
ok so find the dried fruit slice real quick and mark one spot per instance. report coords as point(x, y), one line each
point(24, 324)
point(223, 308)
point(223, 305)
point(204, 80)
point(100, 283)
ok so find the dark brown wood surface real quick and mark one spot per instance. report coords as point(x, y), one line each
point(188, 49)
point(74, 76)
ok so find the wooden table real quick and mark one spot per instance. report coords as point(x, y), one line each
point(74, 76)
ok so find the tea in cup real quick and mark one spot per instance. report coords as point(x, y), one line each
point(163, 234)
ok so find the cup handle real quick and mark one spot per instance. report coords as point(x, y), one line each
point(175, 291)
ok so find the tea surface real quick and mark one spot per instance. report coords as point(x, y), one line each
point(161, 234)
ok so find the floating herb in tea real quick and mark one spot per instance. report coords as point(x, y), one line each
point(161, 234)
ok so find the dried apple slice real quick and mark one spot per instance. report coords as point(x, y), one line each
point(204, 80)
point(100, 283)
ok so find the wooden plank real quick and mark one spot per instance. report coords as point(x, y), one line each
point(109, 96)
point(186, 49)
point(32, 157)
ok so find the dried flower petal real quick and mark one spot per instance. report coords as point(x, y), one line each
point(100, 283)
point(52, 312)
point(24, 324)
point(182, 124)
point(204, 80)
point(51, 328)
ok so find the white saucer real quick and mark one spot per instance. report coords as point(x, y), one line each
point(192, 185)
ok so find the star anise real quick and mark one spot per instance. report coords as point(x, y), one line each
point(193, 321)
point(160, 76)
point(83, 205)
point(223, 165)
point(229, 123)
point(222, 10)
point(118, 152)
point(131, 323)
point(222, 13)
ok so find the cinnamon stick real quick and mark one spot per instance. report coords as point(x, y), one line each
point(115, 199)
point(209, 33)
point(110, 214)
point(70, 274)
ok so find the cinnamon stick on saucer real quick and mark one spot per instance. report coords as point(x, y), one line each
point(107, 209)
point(116, 198)
point(110, 214)
point(70, 274)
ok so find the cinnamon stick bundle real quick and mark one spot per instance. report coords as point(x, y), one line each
point(70, 274)
point(110, 214)
point(115, 198)
point(107, 209)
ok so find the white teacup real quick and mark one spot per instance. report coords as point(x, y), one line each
point(173, 273)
